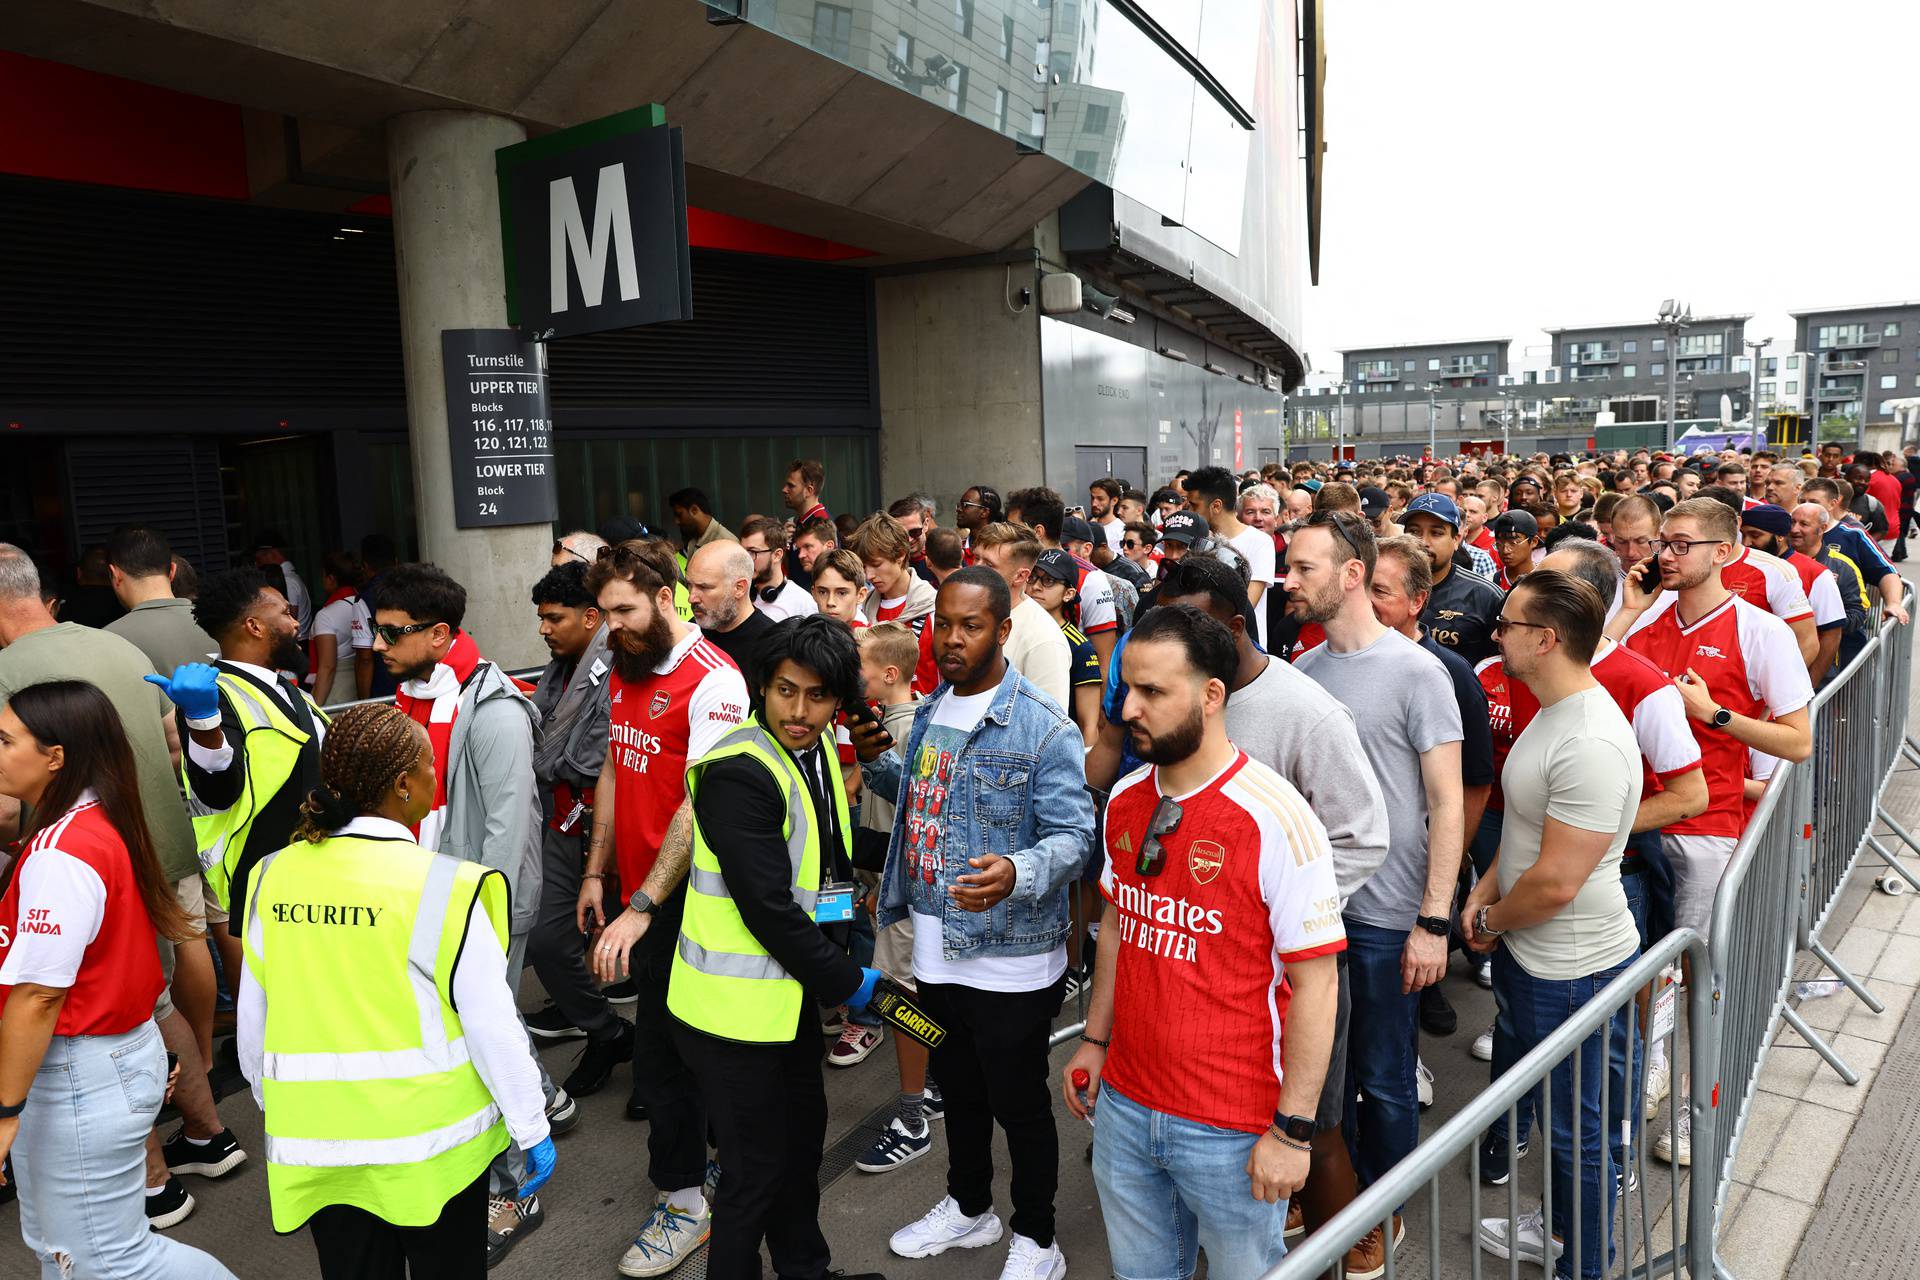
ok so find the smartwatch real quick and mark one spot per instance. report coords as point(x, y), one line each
point(1298, 1128)
point(1721, 718)
point(1439, 926)
point(642, 903)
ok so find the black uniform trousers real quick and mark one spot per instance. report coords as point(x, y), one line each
point(768, 1104)
point(356, 1245)
point(662, 1082)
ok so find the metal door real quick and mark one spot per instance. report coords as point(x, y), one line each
point(1095, 461)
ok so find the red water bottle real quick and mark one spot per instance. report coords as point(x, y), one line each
point(1081, 1080)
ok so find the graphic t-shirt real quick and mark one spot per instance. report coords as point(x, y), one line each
point(1083, 665)
point(928, 855)
point(657, 727)
point(1245, 887)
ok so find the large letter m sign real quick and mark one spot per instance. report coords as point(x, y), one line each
point(568, 239)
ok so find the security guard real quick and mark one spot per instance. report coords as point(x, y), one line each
point(772, 846)
point(252, 741)
point(376, 1023)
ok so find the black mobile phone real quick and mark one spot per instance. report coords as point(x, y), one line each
point(863, 713)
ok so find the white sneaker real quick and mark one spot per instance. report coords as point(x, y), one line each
point(1659, 1081)
point(1483, 974)
point(1028, 1261)
point(1675, 1146)
point(1529, 1241)
point(1422, 1083)
point(944, 1228)
point(667, 1238)
point(1483, 1046)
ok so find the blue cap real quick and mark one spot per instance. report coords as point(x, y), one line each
point(1437, 505)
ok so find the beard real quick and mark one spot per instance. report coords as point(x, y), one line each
point(637, 653)
point(721, 616)
point(286, 653)
point(1321, 607)
point(1173, 746)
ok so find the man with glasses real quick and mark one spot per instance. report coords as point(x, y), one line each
point(978, 507)
point(1552, 911)
point(1745, 685)
point(765, 541)
point(484, 809)
point(993, 823)
point(1220, 886)
point(1137, 544)
point(915, 514)
point(1399, 922)
point(578, 547)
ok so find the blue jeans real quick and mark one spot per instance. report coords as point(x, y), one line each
point(1623, 1085)
point(1383, 1126)
point(1486, 841)
point(1170, 1187)
point(81, 1161)
point(1530, 1009)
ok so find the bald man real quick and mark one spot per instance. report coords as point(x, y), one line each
point(719, 587)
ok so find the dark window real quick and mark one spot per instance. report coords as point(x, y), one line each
point(833, 30)
point(1096, 120)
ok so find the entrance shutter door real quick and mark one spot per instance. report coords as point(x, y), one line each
point(171, 485)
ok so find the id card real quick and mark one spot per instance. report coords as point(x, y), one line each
point(834, 903)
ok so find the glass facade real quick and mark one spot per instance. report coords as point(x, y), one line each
point(1078, 80)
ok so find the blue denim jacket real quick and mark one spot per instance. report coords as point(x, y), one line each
point(1018, 789)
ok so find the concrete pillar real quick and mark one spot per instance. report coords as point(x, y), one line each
point(446, 233)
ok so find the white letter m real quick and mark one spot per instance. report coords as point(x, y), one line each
point(567, 237)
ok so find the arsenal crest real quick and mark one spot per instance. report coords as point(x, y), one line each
point(661, 701)
point(1204, 860)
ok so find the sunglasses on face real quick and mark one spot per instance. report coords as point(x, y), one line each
point(1164, 822)
point(561, 548)
point(1131, 544)
point(1501, 624)
point(393, 635)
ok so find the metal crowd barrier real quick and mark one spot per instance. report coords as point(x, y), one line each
point(1637, 1227)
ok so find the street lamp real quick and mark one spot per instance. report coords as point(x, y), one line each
point(1753, 395)
point(1433, 447)
point(1340, 427)
point(1674, 318)
point(1506, 420)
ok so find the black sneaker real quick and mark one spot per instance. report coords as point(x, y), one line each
point(562, 1113)
point(217, 1157)
point(597, 1061)
point(1436, 1015)
point(171, 1207)
point(1076, 981)
point(1494, 1171)
point(551, 1024)
point(621, 992)
point(637, 1110)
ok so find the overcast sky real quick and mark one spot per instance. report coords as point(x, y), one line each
point(1502, 165)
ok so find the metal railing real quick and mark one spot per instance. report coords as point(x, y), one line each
point(1805, 836)
point(1572, 1049)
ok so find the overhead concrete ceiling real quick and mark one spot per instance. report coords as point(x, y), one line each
point(774, 132)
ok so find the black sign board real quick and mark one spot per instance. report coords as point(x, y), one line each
point(499, 428)
point(595, 221)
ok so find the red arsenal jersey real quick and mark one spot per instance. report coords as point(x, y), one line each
point(1246, 887)
point(658, 726)
point(72, 917)
point(1751, 664)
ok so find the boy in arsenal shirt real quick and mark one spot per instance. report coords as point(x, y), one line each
point(1212, 1015)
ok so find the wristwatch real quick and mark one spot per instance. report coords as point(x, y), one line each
point(1439, 926)
point(1721, 718)
point(642, 903)
point(1480, 924)
point(1299, 1128)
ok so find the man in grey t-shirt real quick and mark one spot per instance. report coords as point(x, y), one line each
point(1398, 922)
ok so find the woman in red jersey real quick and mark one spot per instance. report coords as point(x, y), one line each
point(82, 1070)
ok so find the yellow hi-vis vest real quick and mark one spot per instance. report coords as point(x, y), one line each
point(273, 746)
point(371, 1096)
point(724, 983)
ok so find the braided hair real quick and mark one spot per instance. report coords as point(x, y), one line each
point(367, 747)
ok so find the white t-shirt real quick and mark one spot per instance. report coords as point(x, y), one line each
point(983, 973)
point(347, 621)
point(791, 602)
point(1578, 762)
point(1258, 549)
point(1114, 531)
point(74, 899)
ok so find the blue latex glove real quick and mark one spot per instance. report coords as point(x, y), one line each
point(869, 979)
point(194, 688)
point(540, 1158)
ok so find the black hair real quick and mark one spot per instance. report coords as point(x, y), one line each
point(1569, 529)
point(690, 499)
point(1724, 496)
point(1214, 483)
point(139, 552)
point(1205, 576)
point(225, 598)
point(1210, 646)
point(270, 537)
point(564, 584)
point(990, 499)
point(999, 598)
point(1039, 508)
point(423, 592)
point(367, 748)
point(823, 645)
point(944, 549)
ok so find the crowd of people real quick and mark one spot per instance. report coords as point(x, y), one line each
point(1243, 763)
